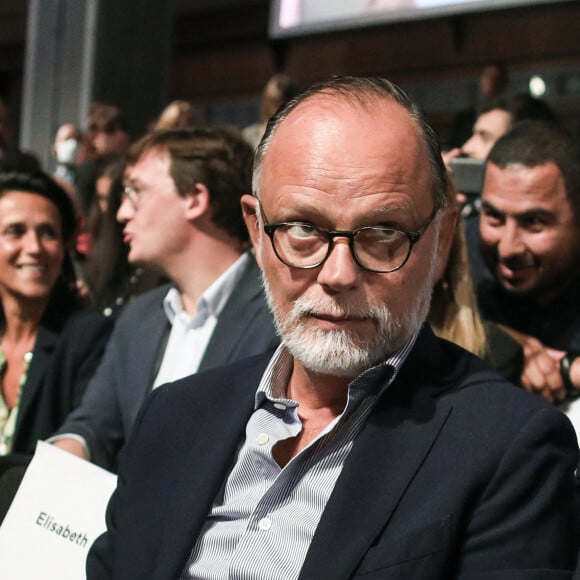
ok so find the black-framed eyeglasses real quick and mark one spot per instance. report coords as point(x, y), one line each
point(380, 249)
point(132, 194)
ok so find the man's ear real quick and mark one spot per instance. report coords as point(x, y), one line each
point(250, 211)
point(197, 201)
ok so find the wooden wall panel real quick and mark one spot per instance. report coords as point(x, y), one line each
point(407, 52)
point(221, 51)
point(220, 74)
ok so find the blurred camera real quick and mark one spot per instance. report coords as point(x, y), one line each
point(468, 175)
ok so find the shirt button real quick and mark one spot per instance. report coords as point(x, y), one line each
point(280, 406)
point(262, 438)
point(265, 524)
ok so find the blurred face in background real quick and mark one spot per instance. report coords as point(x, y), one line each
point(31, 246)
point(488, 128)
point(492, 81)
point(109, 140)
point(66, 145)
point(153, 212)
point(103, 189)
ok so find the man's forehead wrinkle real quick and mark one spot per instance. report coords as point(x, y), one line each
point(327, 105)
point(323, 115)
point(386, 175)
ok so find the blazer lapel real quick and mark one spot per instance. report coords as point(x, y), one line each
point(46, 342)
point(233, 320)
point(386, 455)
point(211, 456)
point(148, 346)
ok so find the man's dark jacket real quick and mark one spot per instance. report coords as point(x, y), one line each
point(455, 474)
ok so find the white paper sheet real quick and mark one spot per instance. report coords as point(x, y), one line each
point(58, 512)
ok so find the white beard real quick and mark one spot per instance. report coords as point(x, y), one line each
point(343, 353)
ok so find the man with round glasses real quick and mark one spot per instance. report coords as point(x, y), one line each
point(365, 447)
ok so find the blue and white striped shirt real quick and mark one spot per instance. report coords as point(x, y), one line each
point(264, 518)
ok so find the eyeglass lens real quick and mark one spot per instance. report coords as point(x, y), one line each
point(374, 248)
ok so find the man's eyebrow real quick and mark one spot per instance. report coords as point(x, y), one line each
point(395, 207)
point(529, 213)
point(536, 212)
point(489, 206)
point(483, 133)
point(132, 180)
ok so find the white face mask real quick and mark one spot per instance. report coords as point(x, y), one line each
point(66, 151)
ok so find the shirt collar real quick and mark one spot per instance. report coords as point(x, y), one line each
point(277, 374)
point(213, 300)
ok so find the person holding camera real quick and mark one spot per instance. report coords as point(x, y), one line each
point(530, 243)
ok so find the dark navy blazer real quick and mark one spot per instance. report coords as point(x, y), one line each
point(456, 474)
point(65, 357)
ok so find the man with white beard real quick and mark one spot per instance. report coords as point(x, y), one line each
point(365, 447)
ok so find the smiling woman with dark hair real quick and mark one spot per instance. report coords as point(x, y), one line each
point(49, 345)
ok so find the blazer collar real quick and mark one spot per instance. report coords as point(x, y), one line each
point(151, 341)
point(233, 321)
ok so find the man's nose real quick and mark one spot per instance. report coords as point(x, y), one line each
point(469, 148)
point(125, 211)
point(339, 271)
point(32, 242)
point(510, 242)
